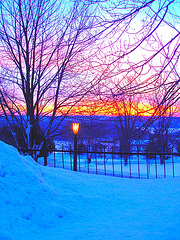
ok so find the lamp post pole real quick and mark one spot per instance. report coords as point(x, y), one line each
point(75, 128)
point(75, 153)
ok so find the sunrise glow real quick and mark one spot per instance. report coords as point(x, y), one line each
point(106, 109)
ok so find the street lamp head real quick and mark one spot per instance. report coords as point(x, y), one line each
point(75, 128)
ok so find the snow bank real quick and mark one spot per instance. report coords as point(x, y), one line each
point(52, 204)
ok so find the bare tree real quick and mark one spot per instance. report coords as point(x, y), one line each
point(127, 109)
point(54, 53)
point(159, 134)
point(40, 45)
point(148, 50)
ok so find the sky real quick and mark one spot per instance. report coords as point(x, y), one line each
point(46, 203)
point(117, 42)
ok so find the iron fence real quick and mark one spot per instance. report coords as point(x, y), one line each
point(119, 164)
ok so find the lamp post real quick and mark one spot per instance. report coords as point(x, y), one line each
point(75, 128)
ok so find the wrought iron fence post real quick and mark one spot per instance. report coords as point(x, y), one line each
point(130, 166)
point(54, 159)
point(173, 161)
point(96, 158)
point(71, 156)
point(164, 166)
point(138, 162)
point(112, 160)
point(104, 161)
point(79, 161)
point(62, 155)
point(45, 153)
point(147, 167)
point(156, 162)
point(88, 158)
point(121, 167)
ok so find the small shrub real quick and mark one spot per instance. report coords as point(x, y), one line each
point(37, 136)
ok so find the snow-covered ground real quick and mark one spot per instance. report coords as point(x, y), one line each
point(46, 203)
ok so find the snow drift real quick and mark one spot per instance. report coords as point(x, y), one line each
point(45, 203)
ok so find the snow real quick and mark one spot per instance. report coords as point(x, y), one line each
point(45, 203)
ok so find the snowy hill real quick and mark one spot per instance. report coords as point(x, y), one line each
point(42, 203)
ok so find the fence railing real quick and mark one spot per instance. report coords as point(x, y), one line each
point(129, 165)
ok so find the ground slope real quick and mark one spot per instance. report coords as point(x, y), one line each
point(45, 203)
